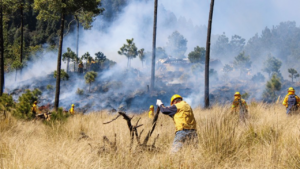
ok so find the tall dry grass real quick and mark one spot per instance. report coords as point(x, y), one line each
point(269, 139)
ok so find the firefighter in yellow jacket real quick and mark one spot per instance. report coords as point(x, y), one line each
point(34, 109)
point(235, 107)
point(184, 120)
point(71, 110)
point(291, 101)
point(151, 112)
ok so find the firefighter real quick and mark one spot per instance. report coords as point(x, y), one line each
point(34, 109)
point(151, 112)
point(72, 111)
point(184, 120)
point(291, 101)
point(80, 67)
point(236, 103)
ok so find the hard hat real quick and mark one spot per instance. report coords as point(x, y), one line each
point(72, 105)
point(151, 106)
point(175, 96)
point(35, 102)
point(291, 89)
point(237, 94)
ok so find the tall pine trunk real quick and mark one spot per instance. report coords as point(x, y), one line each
point(22, 27)
point(77, 40)
point(207, 57)
point(153, 47)
point(68, 63)
point(1, 51)
point(56, 102)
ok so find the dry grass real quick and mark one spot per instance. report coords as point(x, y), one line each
point(269, 139)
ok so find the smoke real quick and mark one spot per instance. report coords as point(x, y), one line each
point(129, 87)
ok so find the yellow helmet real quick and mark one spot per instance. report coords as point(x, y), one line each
point(175, 96)
point(291, 89)
point(151, 106)
point(237, 93)
point(72, 105)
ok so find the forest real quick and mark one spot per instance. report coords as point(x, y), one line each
point(30, 33)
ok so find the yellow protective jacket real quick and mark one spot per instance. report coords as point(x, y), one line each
point(235, 104)
point(151, 112)
point(72, 111)
point(182, 115)
point(34, 108)
point(285, 100)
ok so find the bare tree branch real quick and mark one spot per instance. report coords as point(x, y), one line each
point(153, 127)
point(112, 119)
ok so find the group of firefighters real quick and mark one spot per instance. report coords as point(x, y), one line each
point(183, 116)
point(46, 115)
point(185, 123)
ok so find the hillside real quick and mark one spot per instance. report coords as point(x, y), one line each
point(269, 139)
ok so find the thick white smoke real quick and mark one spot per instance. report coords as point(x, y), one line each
point(188, 17)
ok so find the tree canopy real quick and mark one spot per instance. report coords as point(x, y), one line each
point(198, 55)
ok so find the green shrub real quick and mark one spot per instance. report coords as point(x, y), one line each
point(63, 75)
point(23, 107)
point(245, 96)
point(49, 87)
point(79, 91)
point(59, 115)
point(6, 102)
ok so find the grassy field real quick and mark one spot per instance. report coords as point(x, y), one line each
point(269, 139)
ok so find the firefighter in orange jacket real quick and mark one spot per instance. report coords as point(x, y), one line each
point(184, 120)
point(291, 101)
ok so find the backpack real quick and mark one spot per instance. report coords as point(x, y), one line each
point(292, 104)
point(292, 100)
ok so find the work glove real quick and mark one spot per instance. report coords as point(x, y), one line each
point(159, 102)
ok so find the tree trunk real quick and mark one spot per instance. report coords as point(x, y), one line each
point(68, 62)
point(153, 47)
point(127, 62)
point(1, 52)
point(22, 26)
point(207, 57)
point(77, 40)
point(56, 102)
point(16, 74)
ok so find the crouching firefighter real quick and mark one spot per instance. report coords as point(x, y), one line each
point(184, 120)
point(291, 101)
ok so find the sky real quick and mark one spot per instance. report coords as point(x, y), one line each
point(242, 17)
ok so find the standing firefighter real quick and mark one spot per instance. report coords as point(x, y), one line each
point(240, 106)
point(151, 112)
point(291, 101)
point(72, 111)
point(184, 120)
point(80, 67)
point(34, 109)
